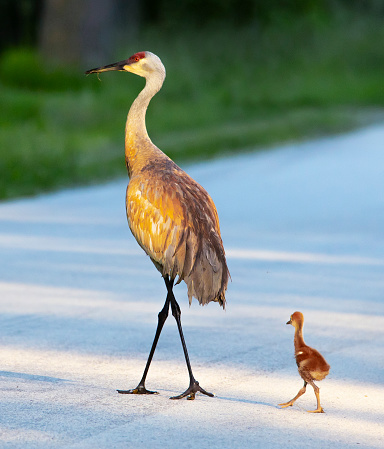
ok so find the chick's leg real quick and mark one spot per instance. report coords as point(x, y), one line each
point(292, 401)
point(317, 394)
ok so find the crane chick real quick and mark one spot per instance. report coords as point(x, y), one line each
point(171, 216)
point(311, 364)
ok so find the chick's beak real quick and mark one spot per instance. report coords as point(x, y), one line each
point(119, 66)
point(289, 322)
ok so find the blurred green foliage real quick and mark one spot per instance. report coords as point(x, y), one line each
point(227, 88)
point(22, 68)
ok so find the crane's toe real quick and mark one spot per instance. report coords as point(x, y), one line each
point(285, 404)
point(140, 389)
point(318, 410)
point(191, 391)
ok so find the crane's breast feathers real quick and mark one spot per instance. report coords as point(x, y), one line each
point(176, 223)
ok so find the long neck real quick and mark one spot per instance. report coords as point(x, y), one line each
point(298, 339)
point(138, 146)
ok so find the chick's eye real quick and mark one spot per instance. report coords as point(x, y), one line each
point(136, 58)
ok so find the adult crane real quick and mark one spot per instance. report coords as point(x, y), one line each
point(171, 216)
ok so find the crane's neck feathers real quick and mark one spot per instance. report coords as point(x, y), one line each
point(138, 145)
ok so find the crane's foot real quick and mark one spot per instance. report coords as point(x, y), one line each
point(140, 389)
point(286, 404)
point(193, 388)
point(318, 410)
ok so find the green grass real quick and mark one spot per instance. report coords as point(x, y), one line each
point(225, 90)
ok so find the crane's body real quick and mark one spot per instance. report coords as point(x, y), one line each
point(171, 216)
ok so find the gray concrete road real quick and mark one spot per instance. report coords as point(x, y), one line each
point(303, 228)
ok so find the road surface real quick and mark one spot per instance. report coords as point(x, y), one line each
point(303, 227)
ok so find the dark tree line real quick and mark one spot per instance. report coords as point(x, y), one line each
point(77, 30)
point(19, 22)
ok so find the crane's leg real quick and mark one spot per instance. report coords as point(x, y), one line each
point(163, 315)
point(292, 401)
point(317, 394)
point(194, 386)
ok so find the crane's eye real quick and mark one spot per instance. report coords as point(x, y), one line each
point(137, 58)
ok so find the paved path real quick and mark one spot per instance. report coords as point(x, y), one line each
point(303, 227)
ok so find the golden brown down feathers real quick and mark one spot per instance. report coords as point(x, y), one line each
point(176, 223)
point(311, 364)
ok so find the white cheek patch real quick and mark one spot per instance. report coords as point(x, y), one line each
point(299, 353)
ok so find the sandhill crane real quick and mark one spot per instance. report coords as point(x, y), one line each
point(310, 363)
point(171, 216)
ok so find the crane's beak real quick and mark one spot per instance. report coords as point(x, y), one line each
point(289, 322)
point(119, 66)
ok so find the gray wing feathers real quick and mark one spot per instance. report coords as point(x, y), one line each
point(191, 249)
point(207, 280)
